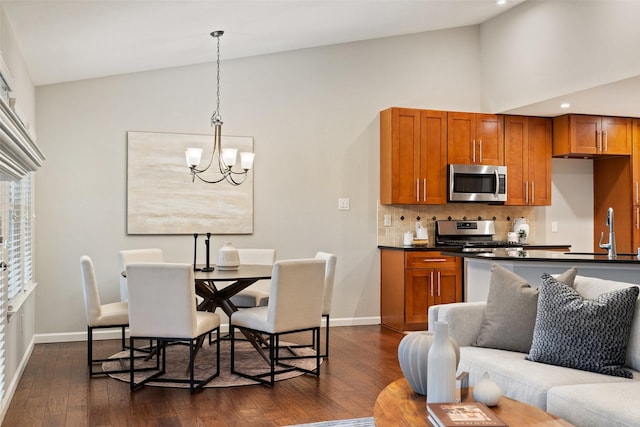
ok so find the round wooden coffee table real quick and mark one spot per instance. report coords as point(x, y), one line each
point(398, 405)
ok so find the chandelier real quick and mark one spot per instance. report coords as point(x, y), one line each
point(225, 157)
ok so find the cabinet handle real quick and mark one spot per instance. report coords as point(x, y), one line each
point(533, 192)
point(637, 218)
point(473, 157)
point(636, 192)
point(599, 140)
point(417, 190)
point(526, 192)
point(480, 151)
point(434, 260)
point(604, 135)
point(438, 283)
point(424, 190)
point(431, 283)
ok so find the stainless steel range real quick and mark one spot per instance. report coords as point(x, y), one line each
point(470, 236)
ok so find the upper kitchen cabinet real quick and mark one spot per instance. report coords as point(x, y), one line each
point(527, 153)
point(475, 139)
point(413, 156)
point(635, 188)
point(576, 135)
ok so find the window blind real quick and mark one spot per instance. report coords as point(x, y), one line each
point(14, 242)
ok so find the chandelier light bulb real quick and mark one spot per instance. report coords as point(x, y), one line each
point(193, 156)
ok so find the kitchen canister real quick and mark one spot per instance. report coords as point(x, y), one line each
point(407, 238)
point(228, 258)
point(441, 367)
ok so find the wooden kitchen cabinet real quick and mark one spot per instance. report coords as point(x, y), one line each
point(411, 282)
point(527, 153)
point(577, 135)
point(413, 156)
point(612, 187)
point(635, 185)
point(475, 139)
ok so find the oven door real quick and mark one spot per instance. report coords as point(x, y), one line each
point(477, 183)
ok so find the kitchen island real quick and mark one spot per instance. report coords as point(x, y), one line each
point(530, 264)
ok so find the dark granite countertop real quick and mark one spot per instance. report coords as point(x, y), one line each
point(457, 249)
point(549, 256)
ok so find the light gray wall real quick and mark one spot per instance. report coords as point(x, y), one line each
point(543, 49)
point(314, 116)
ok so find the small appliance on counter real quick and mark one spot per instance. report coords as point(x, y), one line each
point(471, 236)
point(521, 228)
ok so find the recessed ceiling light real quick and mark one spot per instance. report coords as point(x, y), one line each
point(565, 105)
point(501, 2)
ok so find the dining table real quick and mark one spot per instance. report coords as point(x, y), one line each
point(216, 287)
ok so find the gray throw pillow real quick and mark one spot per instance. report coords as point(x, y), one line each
point(587, 334)
point(510, 315)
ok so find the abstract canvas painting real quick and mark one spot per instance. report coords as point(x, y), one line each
point(162, 199)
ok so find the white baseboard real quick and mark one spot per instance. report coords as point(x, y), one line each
point(114, 334)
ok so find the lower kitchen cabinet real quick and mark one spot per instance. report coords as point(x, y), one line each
point(411, 282)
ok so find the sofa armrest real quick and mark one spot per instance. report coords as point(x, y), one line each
point(464, 319)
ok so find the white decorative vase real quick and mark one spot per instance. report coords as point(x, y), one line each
point(441, 367)
point(413, 352)
point(487, 391)
point(228, 258)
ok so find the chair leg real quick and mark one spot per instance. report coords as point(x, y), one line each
point(90, 349)
point(326, 339)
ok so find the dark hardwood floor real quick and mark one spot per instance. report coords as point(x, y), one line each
point(55, 390)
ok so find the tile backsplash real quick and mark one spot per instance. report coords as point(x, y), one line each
point(403, 218)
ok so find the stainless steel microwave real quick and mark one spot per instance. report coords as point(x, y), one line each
point(477, 183)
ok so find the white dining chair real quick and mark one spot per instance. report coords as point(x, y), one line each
point(162, 307)
point(129, 256)
point(295, 305)
point(100, 316)
point(329, 279)
point(257, 294)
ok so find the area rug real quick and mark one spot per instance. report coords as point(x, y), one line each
point(354, 422)
point(247, 360)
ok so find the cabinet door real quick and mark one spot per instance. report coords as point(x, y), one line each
point(418, 296)
point(616, 135)
point(612, 188)
point(539, 159)
point(516, 141)
point(399, 155)
point(636, 162)
point(447, 282)
point(585, 134)
point(433, 157)
point(489, 139)
point(461, 138)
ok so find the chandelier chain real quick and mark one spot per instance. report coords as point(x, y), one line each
point(217, 117)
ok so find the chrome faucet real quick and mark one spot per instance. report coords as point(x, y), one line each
point(611, 246)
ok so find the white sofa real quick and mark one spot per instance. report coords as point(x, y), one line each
point(580, 397)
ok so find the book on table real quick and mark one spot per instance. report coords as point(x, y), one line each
point(463, 414)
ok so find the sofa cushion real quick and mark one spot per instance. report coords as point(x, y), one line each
point(587, 334)
point(511, 310)
point(524, 380)
point(596, 405)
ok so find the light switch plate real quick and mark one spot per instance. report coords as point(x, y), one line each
point(343, 204)
point(387, 220)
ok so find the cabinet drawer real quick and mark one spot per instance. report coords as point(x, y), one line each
point(429, 260)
